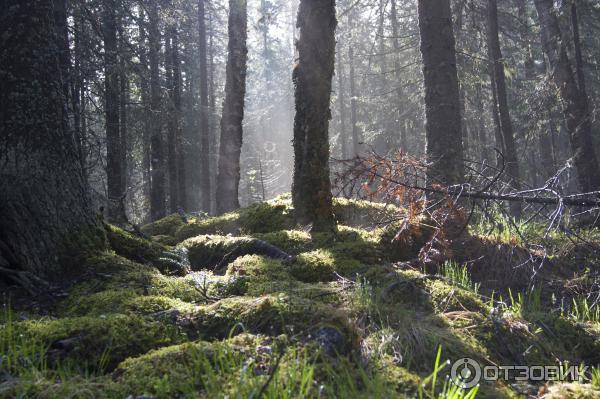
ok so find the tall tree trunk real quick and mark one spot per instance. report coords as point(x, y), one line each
point(212, 110)
point(442, 103)
point(114, 169)
point(342, 107)
point(399, 123)
point(499, 81)
point(177, 83)
point(233, 109)
point(144, 79)
point(311, 190)
point(48, 225)
point(171, 124)
point(78, 89)
point(157, 161)
point(575, 103)
point(353, 94)
point(577, 46)
point(205, 188)
point(123, 104)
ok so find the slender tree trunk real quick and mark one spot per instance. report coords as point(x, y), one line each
point(114, 168)
point(171, 124)
point(506, 127)
point(157, 161)
point(205, 188)
point(399, 123)
point(523, 19)
point(123, 104)
point(311, 190)
point(442, 103)
point(212, 109)
point(233, 109)
point(577, 46)
point(575, 103)
point(78, 89)
point(144, 78)
point(342, 107)
point(353, 94)
point(177, 83)
point(48, 226)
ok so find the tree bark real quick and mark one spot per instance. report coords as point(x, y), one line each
point(311, 190)
point(48, 225)
point(577, 46)
point(157, 161)
point(228, 178)
point(177, 88)
point(442, 104)
point(114, 169)
point(399, 122)
point(575, 103)
point(123, 104)
point(172, 123)
point(508, 136)
point(144, 82)
point(205, 188)
point(342, 107)
point(353, 94)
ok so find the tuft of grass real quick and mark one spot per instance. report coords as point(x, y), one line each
point(449, 390)
point(459, 276)
point(582, 311)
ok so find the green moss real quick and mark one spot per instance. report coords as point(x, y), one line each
point(261, 217)
point(113, 337)
point(133, 248)
point(122, 301)
point(166, 226)
point(62, 386)
point(206, 251)
point(141, 250)
point(353, 212)
point(237, 367)
point(447, 298)
point(270, 314)
point(109, 271)
point(403, 242)
point(321, 264)
point(290, 241)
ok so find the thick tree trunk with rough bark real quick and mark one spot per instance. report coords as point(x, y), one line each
point(311, 191)
point(47, 222)
point(575, 103)
point(506, 127)
point(157, 189)
point(442, 104)
point(205, 186)
point(228, 178)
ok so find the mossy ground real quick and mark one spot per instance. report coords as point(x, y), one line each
point(340, 319)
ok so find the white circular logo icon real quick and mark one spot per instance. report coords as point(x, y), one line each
point(466, 373)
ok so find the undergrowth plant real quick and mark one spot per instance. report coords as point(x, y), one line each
point(450, 389)
point(459, 276)
point(19, 354)
point(581, 310)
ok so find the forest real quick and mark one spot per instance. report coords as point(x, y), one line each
point(300, 199)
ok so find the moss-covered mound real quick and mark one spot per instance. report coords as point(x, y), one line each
point(339, 317)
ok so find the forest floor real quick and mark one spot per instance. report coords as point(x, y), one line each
point(207, 309)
